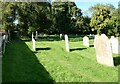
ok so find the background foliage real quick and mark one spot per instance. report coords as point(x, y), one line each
point(59, 17)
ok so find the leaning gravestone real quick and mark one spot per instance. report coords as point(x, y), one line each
point(66, 43)
point(115, 45)
point(103, 51)
point(86, 41)
point(34, 47)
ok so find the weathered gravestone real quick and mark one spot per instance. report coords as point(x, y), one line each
point(34, 46)
point(103, 51)
point(86, 41)
point(6, 39)
point(115, 45)
point(67, 43)
point(60, 36)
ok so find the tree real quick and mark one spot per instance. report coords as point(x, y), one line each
point(0, 14)
point(8, 15)
point(34, 16)
point(102, 19)
point(65, 15)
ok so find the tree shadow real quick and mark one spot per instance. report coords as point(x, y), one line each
point(91, 45)
point(47, 48)
point(116, 61)
point(20, 64)
point(77, 49)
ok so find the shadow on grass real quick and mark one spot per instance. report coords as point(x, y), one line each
point(116, 61)
point(21, 65)
point(91, 45)
point(77, 49)
point(43, 48)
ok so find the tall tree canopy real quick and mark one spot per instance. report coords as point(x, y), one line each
point(65, 16)
point(104, 19)
point(32, 16)
point(8, 15)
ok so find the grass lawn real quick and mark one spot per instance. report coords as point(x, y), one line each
point(51, 62)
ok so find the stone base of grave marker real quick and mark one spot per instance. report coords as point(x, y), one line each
point(103, 51)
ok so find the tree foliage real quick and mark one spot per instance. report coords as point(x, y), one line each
point(59, 17)
point(65, 16)
point(104, 19)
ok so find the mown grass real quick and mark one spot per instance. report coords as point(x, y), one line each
point(52, 62)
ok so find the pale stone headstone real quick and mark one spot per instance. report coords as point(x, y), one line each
point(86, 41)
point(60, 36)
point(115, 45)
point(36, 36)
point(103, 51)
point(34, 46)
point(32, 36)
point(67, 43)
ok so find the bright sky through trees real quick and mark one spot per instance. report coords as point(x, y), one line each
point(85, 5)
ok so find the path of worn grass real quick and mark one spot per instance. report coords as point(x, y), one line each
point(79, 65)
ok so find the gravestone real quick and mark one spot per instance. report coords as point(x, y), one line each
point(36, 35)
point(6, 39)
point(115, 45)
point(34, 46)
point(67, 43)
point(60, 36)
point(86, 41)
point(103, 51)
point(32, 36)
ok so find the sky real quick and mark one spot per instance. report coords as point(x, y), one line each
point(85, 5)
